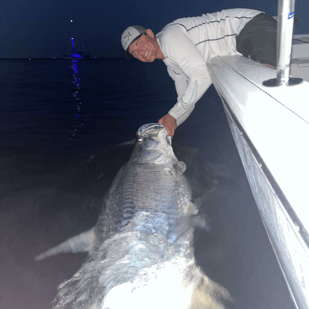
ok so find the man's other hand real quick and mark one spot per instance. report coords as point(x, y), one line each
point(169, 123)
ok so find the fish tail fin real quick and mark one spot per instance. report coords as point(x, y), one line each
point(83, 242)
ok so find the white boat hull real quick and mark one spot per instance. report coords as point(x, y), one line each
point(270, 127)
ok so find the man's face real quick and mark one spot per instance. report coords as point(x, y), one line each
point(144, 48)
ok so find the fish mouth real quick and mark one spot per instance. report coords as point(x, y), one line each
point(150, 126)
point(153, 145)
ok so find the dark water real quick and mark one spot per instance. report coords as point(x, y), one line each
point(60, 124)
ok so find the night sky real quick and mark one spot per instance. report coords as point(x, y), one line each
point(36, 28)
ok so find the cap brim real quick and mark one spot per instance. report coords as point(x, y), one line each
point(128, 55)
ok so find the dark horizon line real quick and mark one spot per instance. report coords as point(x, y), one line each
point(58, 58)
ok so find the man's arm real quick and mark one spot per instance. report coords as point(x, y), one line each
point(181, 84)
point(191, 78)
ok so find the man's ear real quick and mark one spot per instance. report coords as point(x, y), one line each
point(150, 33)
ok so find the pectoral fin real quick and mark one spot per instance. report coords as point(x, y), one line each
point(83, 242)
point(178, 169)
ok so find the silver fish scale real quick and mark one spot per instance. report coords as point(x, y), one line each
point(148, 199)
point(154, 189)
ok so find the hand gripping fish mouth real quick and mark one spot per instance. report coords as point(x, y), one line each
point(153, 145)
point(141, 251)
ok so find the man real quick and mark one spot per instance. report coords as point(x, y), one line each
point(186, 45)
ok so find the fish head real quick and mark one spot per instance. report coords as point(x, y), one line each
point(153, 145)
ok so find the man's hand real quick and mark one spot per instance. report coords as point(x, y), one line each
point(169, 123)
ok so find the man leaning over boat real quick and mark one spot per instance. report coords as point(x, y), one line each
point(186, 44)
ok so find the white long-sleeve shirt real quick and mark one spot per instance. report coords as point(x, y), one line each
point(187, 45)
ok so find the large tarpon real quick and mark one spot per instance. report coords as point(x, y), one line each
point(140, 251)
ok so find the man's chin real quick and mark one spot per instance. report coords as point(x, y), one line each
point(151, 59)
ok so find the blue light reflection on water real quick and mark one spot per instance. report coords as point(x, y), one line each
point(77, 130)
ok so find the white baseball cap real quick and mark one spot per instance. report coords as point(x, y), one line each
point(128, 36)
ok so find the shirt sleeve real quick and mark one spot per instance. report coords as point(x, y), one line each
point(192, 78)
